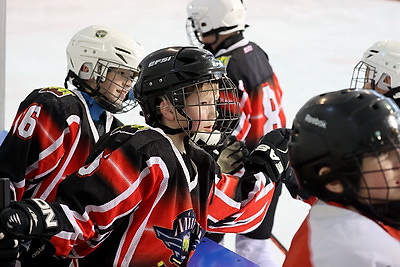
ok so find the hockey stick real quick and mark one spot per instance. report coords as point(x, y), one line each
point(5, 193)
point(281, 247)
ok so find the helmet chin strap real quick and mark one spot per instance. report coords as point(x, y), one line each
point(167, 129)
point(80, 84)
point(172, 131)
point(387, 213)
point(394, 93)
point(180, 111)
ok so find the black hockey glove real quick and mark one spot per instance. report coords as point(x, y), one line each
point(271, 154)
point(9, 250)
point(232, 155)
point(29, 218)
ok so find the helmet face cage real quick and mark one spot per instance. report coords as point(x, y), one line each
point(220, 117)
point(193, 32)
point(113, 87)
point(378, 196)
point(364, 76)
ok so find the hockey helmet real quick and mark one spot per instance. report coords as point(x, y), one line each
point(206, 17)
point(379, 62)
point(337, 130)
point(177, 72)
point(96, 51)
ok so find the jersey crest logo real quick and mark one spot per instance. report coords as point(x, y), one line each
point(57, 91)
point(129, 129)
point(182, 238)
point(225, 60)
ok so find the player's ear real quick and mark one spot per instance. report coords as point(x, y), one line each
point(167, 110)
point(334, 186)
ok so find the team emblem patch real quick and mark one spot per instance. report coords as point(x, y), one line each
point(182, 238)
point(57, 91)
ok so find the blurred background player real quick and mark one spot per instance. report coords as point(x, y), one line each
point(345, 150)
point(379, 69)
point(147, 194)
point(55, 128)
point(218, 26)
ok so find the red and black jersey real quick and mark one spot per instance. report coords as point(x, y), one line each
point(148, 205)
point(50, 137)
point(259, 90)
point(260, 95)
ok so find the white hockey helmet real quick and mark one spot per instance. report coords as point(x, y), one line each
point(215, 16)
point(379, 61)
point(100, 48)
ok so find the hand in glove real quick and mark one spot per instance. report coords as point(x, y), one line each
point(9, 250)
point(29, 218)
point(271, 154)
point(232, 155)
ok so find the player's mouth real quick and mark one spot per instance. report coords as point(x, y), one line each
point(208, 128)
point(122, 93)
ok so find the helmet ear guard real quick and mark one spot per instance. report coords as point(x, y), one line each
point(86, 71)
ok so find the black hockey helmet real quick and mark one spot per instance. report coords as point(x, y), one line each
point(171, 71)
point(336, 129)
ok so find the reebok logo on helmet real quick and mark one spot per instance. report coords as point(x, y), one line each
point(315, 121)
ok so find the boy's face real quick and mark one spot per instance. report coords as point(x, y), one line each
point(381, 177)
point(201, 108)
point(117, 84)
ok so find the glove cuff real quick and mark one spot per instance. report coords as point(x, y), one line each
point(259, 164)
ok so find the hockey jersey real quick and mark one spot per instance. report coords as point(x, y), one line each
point(149, 205)
point(50, 137)
point(332, 236)
point(260, 94)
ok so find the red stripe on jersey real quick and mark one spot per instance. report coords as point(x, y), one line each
point(251, 216)
point(243, 128)
point(62, 152)
point(137, 229)
point(278, 93)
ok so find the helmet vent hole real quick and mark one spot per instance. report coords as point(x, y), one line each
point(123, 50)
point(359, 96)
point(375, 106)
point(122, 58)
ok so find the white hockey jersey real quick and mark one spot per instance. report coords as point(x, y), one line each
point(333, 236)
